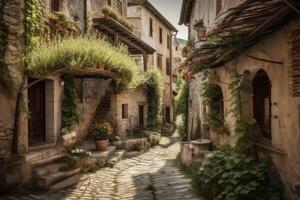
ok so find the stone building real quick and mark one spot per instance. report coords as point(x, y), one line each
point(271, 42)
point(153, 28)
point(35, 135)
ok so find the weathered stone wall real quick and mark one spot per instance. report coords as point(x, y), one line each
point(93, 91)
point(13, 17)
point(133, 98)
point(140, 16)
point(285, 113)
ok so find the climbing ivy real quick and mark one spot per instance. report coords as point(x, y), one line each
point(70, 114)
point(153, 87)
point(181, 107)
point(33, 22)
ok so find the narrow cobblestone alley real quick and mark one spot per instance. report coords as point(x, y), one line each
point(150, 176)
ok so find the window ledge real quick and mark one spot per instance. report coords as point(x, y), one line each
point(269, 147)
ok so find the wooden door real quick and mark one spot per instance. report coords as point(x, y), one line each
point(36, 122)
point(141, 116)
point(262, 102)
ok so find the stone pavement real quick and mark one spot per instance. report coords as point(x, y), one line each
point(150, 176)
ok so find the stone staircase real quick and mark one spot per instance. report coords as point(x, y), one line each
point(53, 170)
point(104, 106)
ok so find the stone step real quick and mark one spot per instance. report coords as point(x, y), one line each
point(49, 169)
point(46, 181)
point(66, 183)
point(48, 160)
point(103, 156)
point(41, 154)
point(114, 159)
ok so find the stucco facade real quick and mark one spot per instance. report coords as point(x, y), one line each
point(284, 109)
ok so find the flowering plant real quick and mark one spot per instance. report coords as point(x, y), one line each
point(101, 130)
point(80, 152)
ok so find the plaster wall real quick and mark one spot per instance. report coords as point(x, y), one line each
point(285, 110)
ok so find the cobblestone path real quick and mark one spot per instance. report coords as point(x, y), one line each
point(151, 176)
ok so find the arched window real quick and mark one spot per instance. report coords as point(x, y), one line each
point(262, 102)
point(216, 107)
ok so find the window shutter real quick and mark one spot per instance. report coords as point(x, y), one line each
point(295, 64)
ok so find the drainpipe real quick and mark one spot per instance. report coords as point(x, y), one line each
point(85, 25)
point(173, 34)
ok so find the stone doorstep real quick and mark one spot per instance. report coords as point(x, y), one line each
point(39, 155)
point(49, 169)
point(104, 154)
point(116, 157)
point(69, 182)
point(47, 160)
point(48, 180)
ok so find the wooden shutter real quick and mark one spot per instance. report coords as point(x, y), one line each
point(295, 63)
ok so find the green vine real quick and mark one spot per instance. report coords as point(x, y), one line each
point(181, 106)
point(69, 105)
point(153, 89)
point(33, 22)
point(212, 96)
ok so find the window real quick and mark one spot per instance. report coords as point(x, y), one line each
point(176, 48)
point(168, 67)
point(294, 78)
point(168, 41)
point(218, 6)
point(151, 27)
point(160, 35)
point(55, 5)
point(262, 102)
point(159, 61)
point(124, 111)
point(216, 108)
point(120, 7)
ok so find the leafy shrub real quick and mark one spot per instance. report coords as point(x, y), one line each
point(101, 130)
point(181, 106)
point(229, 174)
point(80, 53)
point(116, 16)
point(198, 24)
point(70, 114)
point(153, 86)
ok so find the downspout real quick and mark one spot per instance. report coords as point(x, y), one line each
point(85, 25)
point(171, 73)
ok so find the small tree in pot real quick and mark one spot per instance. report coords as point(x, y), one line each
point(200, 28)
point(101, 131)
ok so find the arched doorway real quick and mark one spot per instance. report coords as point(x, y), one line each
point(262, 102)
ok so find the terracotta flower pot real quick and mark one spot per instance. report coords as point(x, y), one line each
point(201, 33)
point(101, 145)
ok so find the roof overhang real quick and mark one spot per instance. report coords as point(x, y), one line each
point(92, 73)
point(252, 21)
point(186, 11)
point(111, 27)
point(150, 7)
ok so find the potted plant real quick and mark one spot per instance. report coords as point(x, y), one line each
point(101, 132)
point(200, 28)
